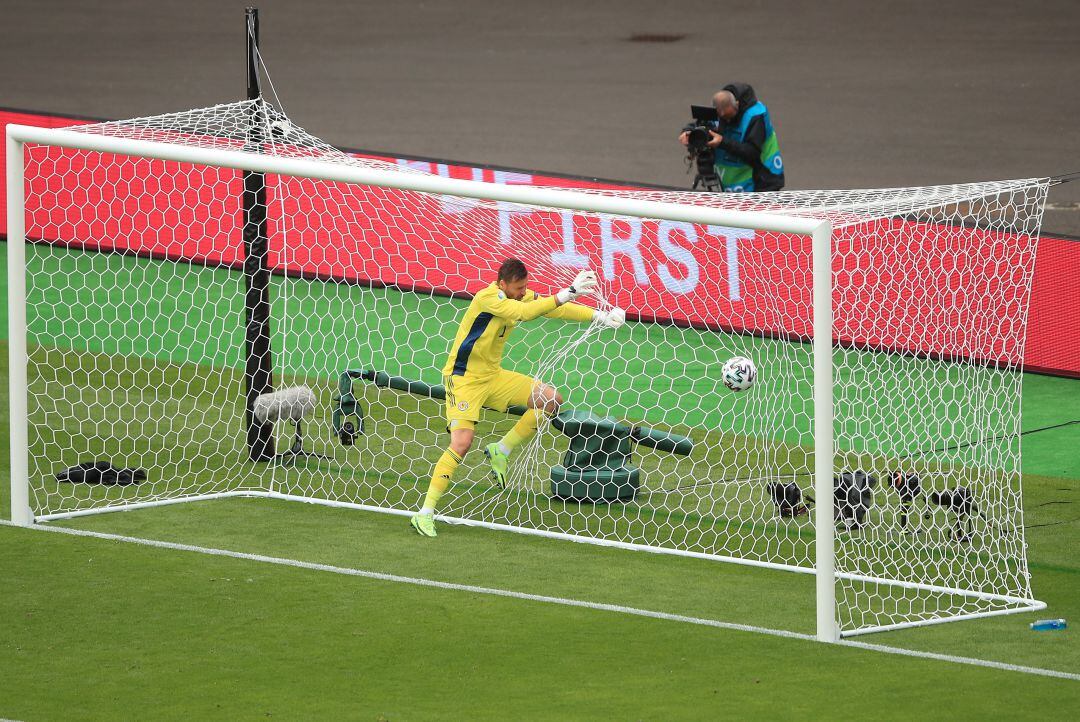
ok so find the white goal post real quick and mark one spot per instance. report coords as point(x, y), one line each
point(721, 524)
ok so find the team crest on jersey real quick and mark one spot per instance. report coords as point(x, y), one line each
point(463, 406)
point(502, 296)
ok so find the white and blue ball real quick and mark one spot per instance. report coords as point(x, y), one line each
point(739, 373)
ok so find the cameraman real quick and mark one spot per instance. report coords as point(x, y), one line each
point(747, 153)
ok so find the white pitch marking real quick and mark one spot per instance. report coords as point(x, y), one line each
point(296, 563)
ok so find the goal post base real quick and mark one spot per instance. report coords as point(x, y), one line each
point(1032, 605)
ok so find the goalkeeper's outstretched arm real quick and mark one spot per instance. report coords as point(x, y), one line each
point(579, 312)
point(572, 312)
point(504, 307)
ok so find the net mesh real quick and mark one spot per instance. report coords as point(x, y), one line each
point(135, 313)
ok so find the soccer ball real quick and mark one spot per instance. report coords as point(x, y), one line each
point(739, 373)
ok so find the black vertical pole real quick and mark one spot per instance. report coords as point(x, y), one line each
point(259, 362)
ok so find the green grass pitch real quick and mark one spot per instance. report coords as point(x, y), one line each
point(100, 629)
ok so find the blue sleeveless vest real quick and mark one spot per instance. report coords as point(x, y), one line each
point(735, 174)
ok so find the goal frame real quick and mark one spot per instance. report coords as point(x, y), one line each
point(822, 324)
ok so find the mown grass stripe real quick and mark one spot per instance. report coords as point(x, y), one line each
point(615, 608)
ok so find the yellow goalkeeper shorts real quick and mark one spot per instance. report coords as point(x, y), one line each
point(465, 396)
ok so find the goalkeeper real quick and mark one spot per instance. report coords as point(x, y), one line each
point(473, 375)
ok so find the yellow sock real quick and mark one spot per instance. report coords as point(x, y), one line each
point(440, 479)
point(523, 430)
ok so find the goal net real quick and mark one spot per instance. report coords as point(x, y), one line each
point(136, 295)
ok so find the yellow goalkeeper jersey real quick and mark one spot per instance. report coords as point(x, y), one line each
point(478, 346)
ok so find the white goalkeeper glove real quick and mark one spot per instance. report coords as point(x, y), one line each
point(610, 319)
point(584, 282)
